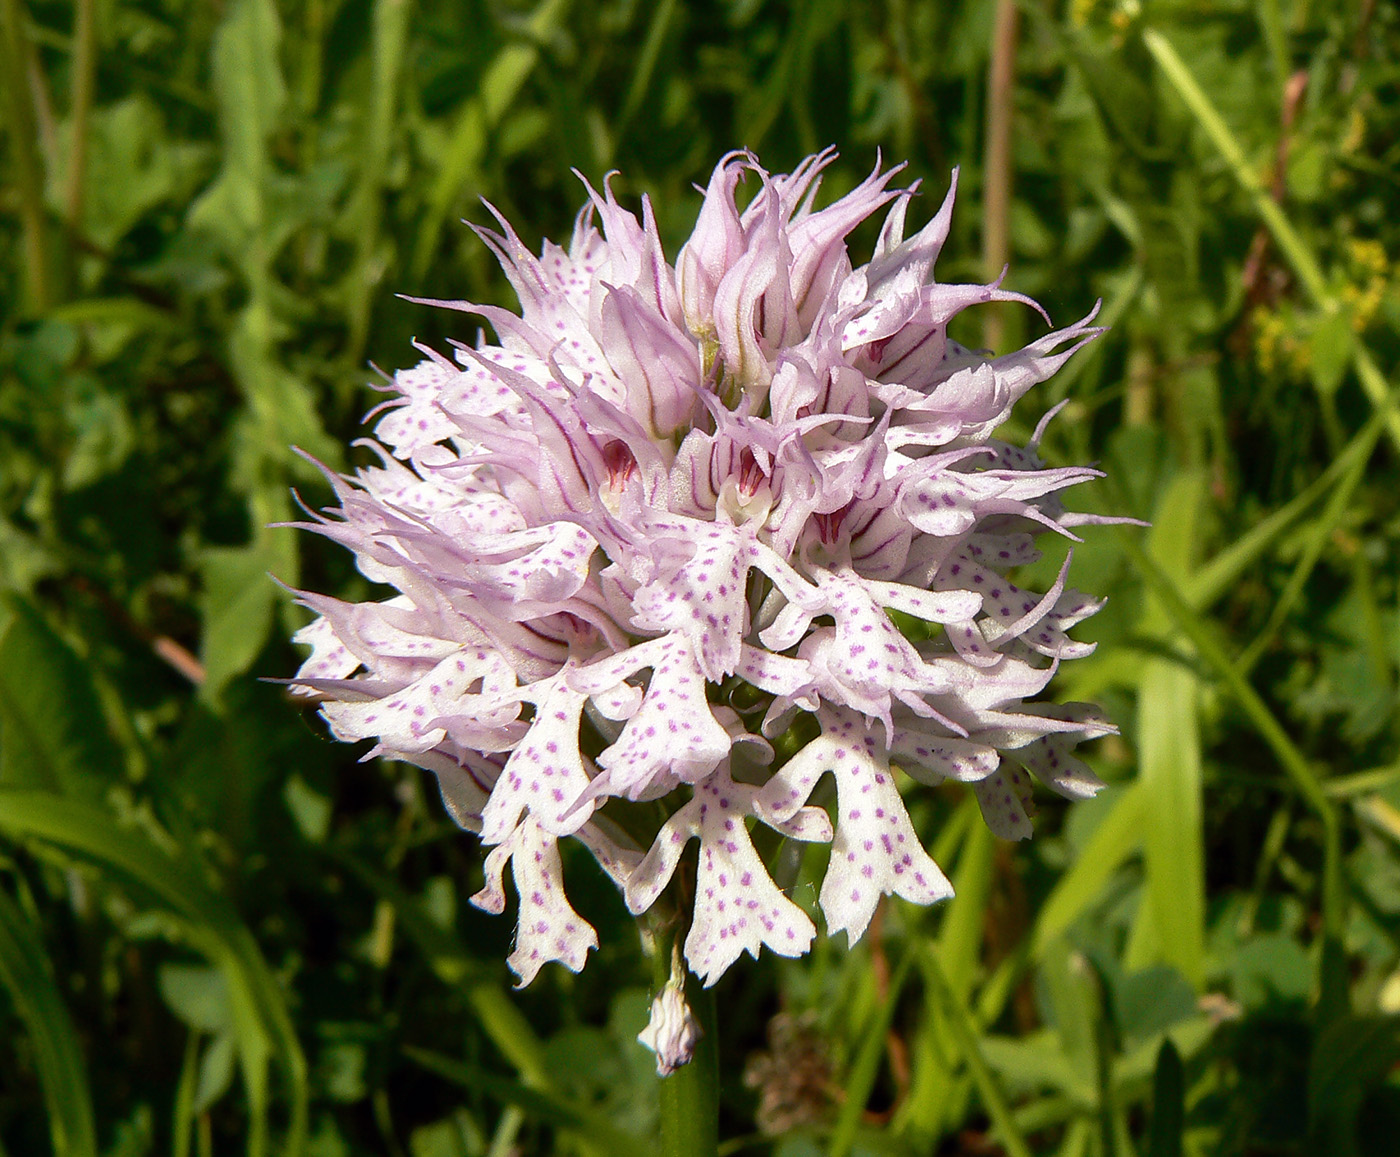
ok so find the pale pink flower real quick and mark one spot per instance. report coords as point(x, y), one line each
point(670, 511)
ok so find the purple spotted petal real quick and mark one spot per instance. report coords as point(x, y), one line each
point(549, 928)
point(739, 908)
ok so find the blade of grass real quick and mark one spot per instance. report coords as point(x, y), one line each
point(1170, 923)
point(261, 1017)
point(1361, 782)
point(26, 972)
point(1208, 584)
point(661, 18)
point(996, 165)
point(960, 937)
point(83, 68)
point(450, 961)
point(1118, 836)
point(1333, 992)
point(1291, 244)
point(965, 1033)
point(959, 945)
point(1320, 535)
point(183, 1114)
point(1168, 1104)
point(867, 1063)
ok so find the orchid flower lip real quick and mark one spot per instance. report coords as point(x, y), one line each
point(675, 511)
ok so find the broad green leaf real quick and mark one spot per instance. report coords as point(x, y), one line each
point(1076, 1007)
point(101, 432)
point(1332, 348)
point(281, 404)
point(131, 167)
point(248, 84)
point(239, 597)
point(197, 995)
point(310, 810)
point(216, 1069)
point(52, 731)
point(456, 1135)
point(27, 975)
point(1171, 920)
point(1036, 1062)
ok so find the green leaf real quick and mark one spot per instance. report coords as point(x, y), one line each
point(248, 84)
point(239, 598)
point(52, 732)
point(1171, 919)
point(311, 811)
point(25, 971)
point(1168, 1104)
point(197, 995)
point(1332, 343)
point(479, 115)
point(866, 1068)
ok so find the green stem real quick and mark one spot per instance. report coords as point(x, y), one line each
point(690, 1095)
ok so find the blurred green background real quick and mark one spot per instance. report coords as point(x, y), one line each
point(221, 934)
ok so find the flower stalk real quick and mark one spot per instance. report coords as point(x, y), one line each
point(689, 1093)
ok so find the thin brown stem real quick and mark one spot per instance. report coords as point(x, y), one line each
point(29, 179)
point(996, 167)
point(1256, 286)
point(84, 66)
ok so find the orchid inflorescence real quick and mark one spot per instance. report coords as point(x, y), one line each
point(701, 535)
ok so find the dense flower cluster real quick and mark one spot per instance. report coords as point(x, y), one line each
point(676, 508)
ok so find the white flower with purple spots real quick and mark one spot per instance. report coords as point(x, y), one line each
point(671, 512)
